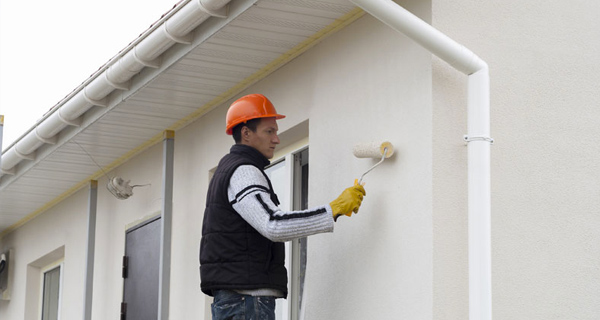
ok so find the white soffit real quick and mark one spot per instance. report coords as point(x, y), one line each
point(225, 56)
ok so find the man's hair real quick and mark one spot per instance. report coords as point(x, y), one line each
point(236, 132)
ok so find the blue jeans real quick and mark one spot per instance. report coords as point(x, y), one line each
point(230, 305)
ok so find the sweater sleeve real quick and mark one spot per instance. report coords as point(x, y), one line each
point(249, 195)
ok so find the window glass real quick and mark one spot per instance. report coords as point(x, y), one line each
point(277, 173)
point(299, 246)
point(51, 294)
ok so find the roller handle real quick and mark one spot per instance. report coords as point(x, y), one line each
point(373, 167)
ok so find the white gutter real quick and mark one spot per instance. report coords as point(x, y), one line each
point(478, 138)
point(146, 53)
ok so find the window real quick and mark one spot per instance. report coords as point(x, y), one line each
point(289, 176)
point(51, 294)
point(44, 286)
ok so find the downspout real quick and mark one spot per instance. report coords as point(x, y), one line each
point(478, 139)
point(90, 250)
point(166, 226)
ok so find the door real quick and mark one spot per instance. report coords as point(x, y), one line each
point(141, 271)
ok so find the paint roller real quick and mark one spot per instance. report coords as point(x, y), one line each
point(377, 150)
point(370, 150)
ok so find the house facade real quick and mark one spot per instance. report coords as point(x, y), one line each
point(341, 77)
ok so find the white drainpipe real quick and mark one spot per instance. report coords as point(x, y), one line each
point(146, 53)
point(478, 138)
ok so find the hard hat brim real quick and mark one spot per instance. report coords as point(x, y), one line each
point(229, 129)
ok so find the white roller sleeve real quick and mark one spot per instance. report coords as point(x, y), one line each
point(373, 150)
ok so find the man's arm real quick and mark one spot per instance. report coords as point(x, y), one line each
point(249, 195)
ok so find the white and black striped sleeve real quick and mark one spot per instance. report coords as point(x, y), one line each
point(248, 193)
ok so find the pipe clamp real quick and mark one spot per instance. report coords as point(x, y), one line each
point(485, 139)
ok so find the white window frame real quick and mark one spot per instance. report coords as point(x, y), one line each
point(292, 262)
point(56, 264)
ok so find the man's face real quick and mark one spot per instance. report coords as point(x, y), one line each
point(264, 139)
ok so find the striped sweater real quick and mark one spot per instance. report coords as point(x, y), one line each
point(248, 193)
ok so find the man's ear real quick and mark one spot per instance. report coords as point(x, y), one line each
point(245, 132)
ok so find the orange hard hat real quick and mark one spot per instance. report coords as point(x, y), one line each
point(250, 107)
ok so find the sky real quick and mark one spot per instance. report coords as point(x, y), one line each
point(48, 48)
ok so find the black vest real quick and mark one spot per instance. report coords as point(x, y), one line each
point(233, 255)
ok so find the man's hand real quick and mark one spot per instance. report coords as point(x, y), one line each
point(349, 201)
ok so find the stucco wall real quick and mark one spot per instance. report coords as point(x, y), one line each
point(114, 218)
point(65, 225)
point(58, 231)
point(545, 71)
point(377, 86)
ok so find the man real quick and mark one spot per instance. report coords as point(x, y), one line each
point(242, 252)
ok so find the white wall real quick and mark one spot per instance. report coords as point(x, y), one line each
point(375, 86)
point(63, 227)
point(114, 217)
point(545, 73)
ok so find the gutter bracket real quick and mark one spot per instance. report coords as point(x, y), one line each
point(220, 13)
point(51, 140)
point(10, 172)
point(152, 64)
point(187, 39)
point(101, 103)
point(121, 86)
point(75, 123)
point(30, 156)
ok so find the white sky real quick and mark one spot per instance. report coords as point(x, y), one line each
point(48, 48)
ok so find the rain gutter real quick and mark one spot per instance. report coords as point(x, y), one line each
point(477, 138)
point(174, 28)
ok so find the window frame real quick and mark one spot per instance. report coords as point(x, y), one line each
point(50, 267)
point(293, 193)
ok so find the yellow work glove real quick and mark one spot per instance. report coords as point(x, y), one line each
point(349, 201)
